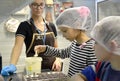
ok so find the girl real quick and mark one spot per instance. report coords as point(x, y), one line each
point(74, 23)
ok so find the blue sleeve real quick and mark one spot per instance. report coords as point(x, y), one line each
point(89, 73)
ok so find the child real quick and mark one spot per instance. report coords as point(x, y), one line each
point(73, 23)
point(107, 49)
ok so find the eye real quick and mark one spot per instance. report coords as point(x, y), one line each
point(34, 4)
point(42, 4)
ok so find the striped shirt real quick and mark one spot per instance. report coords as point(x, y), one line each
point(80, 57)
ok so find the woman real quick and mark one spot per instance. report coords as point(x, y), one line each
point(34, 32)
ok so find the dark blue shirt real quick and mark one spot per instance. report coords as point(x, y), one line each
point(104, 73)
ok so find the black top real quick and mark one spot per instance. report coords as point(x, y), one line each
point(25, 30)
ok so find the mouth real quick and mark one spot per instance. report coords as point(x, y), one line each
point(38, 12)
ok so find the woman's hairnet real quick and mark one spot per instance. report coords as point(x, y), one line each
point(77, 18)
point(106, 30)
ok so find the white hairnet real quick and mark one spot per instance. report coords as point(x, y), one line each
point(106, 30)
point(77, 18)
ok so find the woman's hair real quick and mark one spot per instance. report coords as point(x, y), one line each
point(48, 17)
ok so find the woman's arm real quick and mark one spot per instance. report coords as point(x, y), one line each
point(55, 43)
point(16, 51)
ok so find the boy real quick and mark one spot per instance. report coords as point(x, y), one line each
point(106, 33)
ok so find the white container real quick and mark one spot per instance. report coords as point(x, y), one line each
point(33, 65)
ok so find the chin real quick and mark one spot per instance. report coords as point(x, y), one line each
point(38, 15)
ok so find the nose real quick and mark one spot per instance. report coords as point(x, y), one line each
point(39, 7)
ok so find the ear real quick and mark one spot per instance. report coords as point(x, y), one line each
point(113, 45)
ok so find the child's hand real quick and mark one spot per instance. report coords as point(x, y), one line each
point(77, 77)
point(40, 48)
point(57, 65)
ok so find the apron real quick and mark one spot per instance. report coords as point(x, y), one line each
point(45, 38)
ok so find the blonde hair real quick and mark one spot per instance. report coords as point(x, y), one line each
point(48, 17)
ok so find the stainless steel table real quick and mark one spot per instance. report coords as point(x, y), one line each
point(45, 76)
point(14, 77)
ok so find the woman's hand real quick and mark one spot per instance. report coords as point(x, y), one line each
point(40, 48)
point(57, 65)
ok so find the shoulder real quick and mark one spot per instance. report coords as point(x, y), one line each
point(24, 25)
point(73, 43)
point(89, 44)
point(23, 28)
point(52, 25)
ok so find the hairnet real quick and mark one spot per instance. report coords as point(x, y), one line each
point(106, 30)
point(77, 18)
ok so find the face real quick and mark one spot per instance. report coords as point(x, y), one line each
point(37, 7)
point(69, 33)
point(101, 53)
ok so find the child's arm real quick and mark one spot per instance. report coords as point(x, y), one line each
point(78, 77)
point(51, 51)
point(88, 74)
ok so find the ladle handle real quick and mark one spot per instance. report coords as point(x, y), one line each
point(36, 54)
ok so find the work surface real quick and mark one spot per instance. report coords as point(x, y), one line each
point(14, 77)
point(45, 76)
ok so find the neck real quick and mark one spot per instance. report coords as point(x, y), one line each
point(82, 37)
point(37, 19)
point(115, 62)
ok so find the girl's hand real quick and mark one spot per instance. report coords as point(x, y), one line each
point(57, 65)
point(40, 48)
